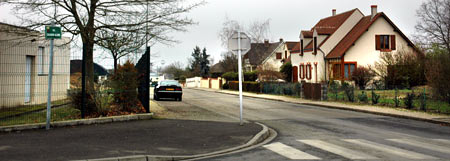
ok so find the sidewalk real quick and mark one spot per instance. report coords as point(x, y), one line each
point(380, 110)
point(156, 139)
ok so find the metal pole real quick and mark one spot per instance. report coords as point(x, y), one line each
point(49, 92)
point(147, 80)
point(240, 77)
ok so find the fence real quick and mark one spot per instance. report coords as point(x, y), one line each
point(24, 70)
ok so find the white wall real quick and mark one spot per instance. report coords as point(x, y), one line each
point(193, 82)
point(308, 57)
point(272, 59)
point(342, 31)
point(364, 51)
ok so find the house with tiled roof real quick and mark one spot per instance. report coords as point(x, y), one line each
point(336, 45)
point(266, 54)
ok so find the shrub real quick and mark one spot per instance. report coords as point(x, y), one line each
point(76, 96)
point(403, 69)
point(286, 70)
point(363, 97)
point(334, 88)
point(230, 76)
point(423, 101)
point(124, 84)
point(438, 67)
point(250, 76)
point(349, 91)
point(362, 75)
point(409, 100)
point(375, 97)
point(225, 86)
point(396, 99)
point(246, 86)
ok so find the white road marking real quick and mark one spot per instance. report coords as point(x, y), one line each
point(442, 141)
point(289, 152)
point(422, 145)
point(390, 149)
point(347, 153)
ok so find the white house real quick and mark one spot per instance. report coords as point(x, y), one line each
point(336, 45)
point(24, 63)
point(267, 54)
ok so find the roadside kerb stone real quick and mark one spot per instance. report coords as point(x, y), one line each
point(441, 122)
point(100, 120)
point(258, 138)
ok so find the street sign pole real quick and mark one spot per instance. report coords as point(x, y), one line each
point(240, 76)
point(239, 42)
point(50, 77)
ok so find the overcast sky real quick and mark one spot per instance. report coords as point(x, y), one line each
point(287, 17)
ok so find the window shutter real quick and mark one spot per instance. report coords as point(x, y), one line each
point(393, 42)
point(377, 42)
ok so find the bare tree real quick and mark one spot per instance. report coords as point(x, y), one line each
point(86, 17)
point(258, 31)
point(229, 62)
point(434, 24)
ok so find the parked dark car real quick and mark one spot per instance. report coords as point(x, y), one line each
point(168, 89)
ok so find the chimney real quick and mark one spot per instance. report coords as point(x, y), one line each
point(333, 12)
point(281, 40)
point(266, 42)
point(374, 10)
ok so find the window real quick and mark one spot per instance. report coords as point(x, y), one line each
point(302, 71)
point(308, 71)
point(278, 55)
point(40, 64)
point(348, 70)
point(385, 42)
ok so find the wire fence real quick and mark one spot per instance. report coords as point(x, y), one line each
point(24, 74)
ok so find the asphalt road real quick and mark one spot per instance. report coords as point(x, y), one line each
point(317, 133)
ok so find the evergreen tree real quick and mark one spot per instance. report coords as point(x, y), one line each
point(204, 64)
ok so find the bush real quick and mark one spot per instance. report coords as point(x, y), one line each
point(250, 76)
point(246, 86)
point(349, 91)
point(124, 84)
point(76, 96)
point(334, 88)
point(403, 69)
point(438, 67)
point(286, 70)
point(230, 76)
point(375, 97)
point(362, 75)
point(363, 97)
point(225, 86)
point(423, 101)
point(279, 88)
point(409, 100)
point(396, 98)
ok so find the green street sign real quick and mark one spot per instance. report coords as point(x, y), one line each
point(52, 32)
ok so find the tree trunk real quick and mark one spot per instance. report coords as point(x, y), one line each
point(115, 64)
point(89, 66)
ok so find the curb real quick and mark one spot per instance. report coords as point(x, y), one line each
point(257, 139)
point(101, 120)
point(443, 123)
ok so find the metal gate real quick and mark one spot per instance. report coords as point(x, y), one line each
point(312, 91)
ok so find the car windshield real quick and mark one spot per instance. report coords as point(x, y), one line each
point(169, 83)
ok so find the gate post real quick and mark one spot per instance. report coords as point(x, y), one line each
point(302, 89)
point(324, 92)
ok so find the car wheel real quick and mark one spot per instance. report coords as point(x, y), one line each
point(180, 98)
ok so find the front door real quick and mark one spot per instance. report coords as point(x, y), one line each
point(295, 74)
point(29, 61)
